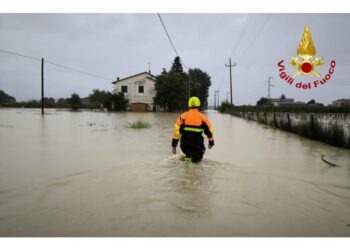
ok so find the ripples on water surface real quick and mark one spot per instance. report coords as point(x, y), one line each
point(87, 174)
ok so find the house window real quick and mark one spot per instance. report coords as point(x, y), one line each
point(125, 89)
point(141, 89)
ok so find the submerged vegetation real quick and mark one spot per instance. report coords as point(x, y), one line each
point(139, 124)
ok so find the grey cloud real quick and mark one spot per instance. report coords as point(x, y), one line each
point(122, 44)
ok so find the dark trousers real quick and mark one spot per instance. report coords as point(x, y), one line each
point(196, 152)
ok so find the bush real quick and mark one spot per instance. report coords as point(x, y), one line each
point(139, 124)
point(75, 102)
point(225, 106)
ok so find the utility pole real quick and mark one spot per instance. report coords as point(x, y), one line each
point(215, 100)
point(269, 85)
point(189, 83)
point(230, 65)
point(42, 86)
point(218, 98)
point(218, 101)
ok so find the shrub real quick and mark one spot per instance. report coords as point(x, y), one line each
point(139, 124)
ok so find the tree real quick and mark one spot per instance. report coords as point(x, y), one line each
point(312, 101)
point(263, 101)
point(5, 98)
point(200, 83)
point(225, 106)
point(101, 97)
point(171, 88)
point(171, 91)
point(283, 96)
point(177, 66)
point(119, 101)
point(49, 102)
point(62, 103)
point(74, 101)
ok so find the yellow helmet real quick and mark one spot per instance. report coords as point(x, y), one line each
point(194, 102)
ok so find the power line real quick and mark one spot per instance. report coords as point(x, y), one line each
point(56, 64)
point(171, 42)
point(256, 37)
point(160, 18)
point(18, 54)
point(242, 33)
point(77, 70)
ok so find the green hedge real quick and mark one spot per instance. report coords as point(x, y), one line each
point(291, 109)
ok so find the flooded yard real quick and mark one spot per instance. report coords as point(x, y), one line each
point(88, 174)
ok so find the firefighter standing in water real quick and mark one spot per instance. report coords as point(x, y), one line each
point(190, 126)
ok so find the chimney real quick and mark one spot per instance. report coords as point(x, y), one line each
point(117, 78)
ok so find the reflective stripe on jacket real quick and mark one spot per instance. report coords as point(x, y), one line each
point(192, 122)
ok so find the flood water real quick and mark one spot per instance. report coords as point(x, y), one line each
point(88, 174)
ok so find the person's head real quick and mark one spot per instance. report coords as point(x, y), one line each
point(194, 102)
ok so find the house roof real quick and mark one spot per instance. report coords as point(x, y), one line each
point(342, 100)
point(147, 73)
point(282, 100)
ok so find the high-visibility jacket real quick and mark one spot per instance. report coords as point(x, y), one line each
point(190, 126)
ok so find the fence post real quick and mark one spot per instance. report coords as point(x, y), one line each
point(289, 123)
point(274, 119)
point(42, 86)
point(312, 126)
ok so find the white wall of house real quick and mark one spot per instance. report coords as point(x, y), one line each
point(133, 95)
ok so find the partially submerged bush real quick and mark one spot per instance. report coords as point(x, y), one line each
point(139, 124)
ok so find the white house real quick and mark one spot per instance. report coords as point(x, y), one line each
point(139, 89)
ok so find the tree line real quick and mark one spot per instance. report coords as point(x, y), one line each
point(98, 99)
point(173, 88)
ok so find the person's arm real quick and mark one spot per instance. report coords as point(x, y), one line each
point(176, 134)
point(208, 131)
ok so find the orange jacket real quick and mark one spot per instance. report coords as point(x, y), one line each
point(192, 121)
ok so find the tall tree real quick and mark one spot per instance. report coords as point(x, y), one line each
point(74, 101)
point(172, 87)
point(177, 66)
point(200, 83)
point(171, 91)
point(5, 98)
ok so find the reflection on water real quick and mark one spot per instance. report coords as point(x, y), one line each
point(87, 174)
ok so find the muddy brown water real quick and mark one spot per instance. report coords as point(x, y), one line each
point(87, 174)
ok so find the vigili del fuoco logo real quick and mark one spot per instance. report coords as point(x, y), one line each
point(306, 64)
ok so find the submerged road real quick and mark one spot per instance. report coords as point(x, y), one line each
point(88, 174)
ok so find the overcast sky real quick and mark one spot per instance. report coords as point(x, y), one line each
point(120, 45)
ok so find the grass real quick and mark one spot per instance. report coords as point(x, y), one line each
point(139, 124)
